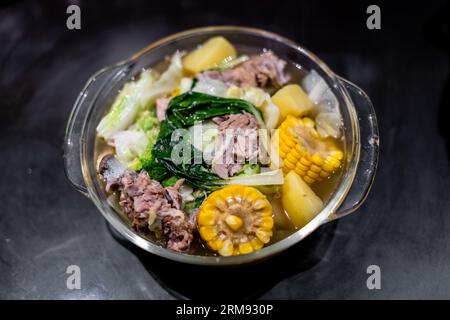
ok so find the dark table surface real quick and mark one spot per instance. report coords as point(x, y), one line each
point(403, 227)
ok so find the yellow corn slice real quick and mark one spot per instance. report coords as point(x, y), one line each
point(304, 151)
point(235, 220)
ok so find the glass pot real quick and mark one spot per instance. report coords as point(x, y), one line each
point(360, 123)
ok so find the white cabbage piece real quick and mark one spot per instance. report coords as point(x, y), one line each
point(125, 107)
point(185, 84)
point(328, 124)
point(167, 83)
point(273, 177)
point(212, 87)
point(129, 144)
point(255, 96)
point(260, 99)
point(137, 95)
point(270, 112)
point(328, 119)
point(203, 137)
point(185, 192)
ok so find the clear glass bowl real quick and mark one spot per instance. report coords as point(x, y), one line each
point(361, 133)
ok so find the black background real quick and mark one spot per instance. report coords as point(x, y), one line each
point(404, 226)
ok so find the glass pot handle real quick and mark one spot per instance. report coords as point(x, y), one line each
point(74, 129)
point(369, 148)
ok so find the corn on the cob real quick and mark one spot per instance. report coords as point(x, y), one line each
point(235, 220)
point(303, 150)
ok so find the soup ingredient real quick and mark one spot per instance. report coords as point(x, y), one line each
point(125, 107)
point(129, 144)
point(271, 113)
point(304, 151)
point(161, 106)
point(144, 200)
point(210, 54)
point(328, 124)
point(255, 96)
point(235, 220)
point(203, 137)
point(147, 123)
point(210, 86)
point(261, 100)
point(184, 110)
point(169, 182)
point(249, 169)
point(165, 84)
point(274, 177)
point(328, 118)
point(185, 84)
point(111, 170)
point(237, 141)
point(319, 92)
point(137, 95)
point(263, 71)
point(299, 201)
point(292, 100)
point(190, 107)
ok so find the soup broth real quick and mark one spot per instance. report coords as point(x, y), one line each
point(320, 182)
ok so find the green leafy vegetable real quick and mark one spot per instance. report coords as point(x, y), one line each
point(169, 182)
point(148, 123)
point(184, 110)
point(249, 169)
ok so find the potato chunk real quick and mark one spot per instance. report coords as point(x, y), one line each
point(299, 201)
point(292, 100)
point(210, 54)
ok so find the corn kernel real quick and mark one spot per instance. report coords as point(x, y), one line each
point(207, 218)
point(301, 166)
point(290, 142)
point(256, 244)
point(208, 233)
point(264, 235)
point(294, 153)
point(234, 222)
point(221, 204)
point(259, 204)
point(305, 161)
point(289, 164)
point(245, 248)
point(285, 148)
point(308, 179)
point(266, 223)
point(323, 174)
point(337, 154)
point(291, 158)
point(299, 148)
point(312, 175)
point(215, 244)
point(227, 249)
point(317, 160)
point(333, 162)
